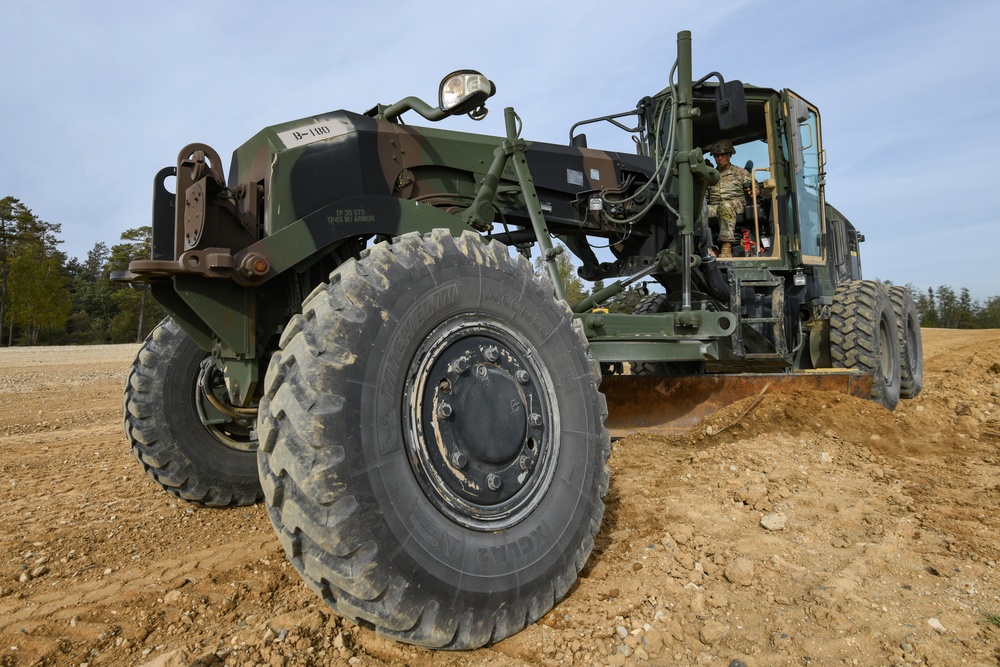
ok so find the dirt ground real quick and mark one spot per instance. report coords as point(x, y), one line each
point(818, 530)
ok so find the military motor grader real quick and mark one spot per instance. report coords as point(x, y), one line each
point(356, 334)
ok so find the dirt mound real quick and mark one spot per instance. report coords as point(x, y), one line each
point(808, 528)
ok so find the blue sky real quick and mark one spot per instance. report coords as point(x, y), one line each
point(98, 96)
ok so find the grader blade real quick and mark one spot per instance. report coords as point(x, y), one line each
point(671, 404)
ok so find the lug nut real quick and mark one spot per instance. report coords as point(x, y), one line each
point(460, 365)
point(458, 460)
point(444, 410)
point(535, 419)
point(521, 376)
point(524, 463)
point(492, 354)
point(493, 481)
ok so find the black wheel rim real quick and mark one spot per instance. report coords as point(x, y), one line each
point(885, 351)
point(481, 423)
point(911, 342)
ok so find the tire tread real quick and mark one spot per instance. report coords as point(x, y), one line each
point(149, 438)
point(856, 315)
point(324, 539)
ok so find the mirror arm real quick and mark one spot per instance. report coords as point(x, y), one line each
point(394, 111)
point(708, 76)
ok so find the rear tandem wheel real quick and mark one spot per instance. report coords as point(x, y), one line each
point(433, 450)
point(911, 347)
point(863, 337)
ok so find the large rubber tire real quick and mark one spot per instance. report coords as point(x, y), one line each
point(911, 347)
point(863, 337)
point(381, 496)
point(207, 465)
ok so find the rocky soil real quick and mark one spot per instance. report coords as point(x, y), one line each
point(817, 529)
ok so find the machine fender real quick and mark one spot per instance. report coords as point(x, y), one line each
point(346, 218)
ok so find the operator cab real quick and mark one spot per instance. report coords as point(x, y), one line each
point(757, 233)
point(777, 139)
point(782, 147)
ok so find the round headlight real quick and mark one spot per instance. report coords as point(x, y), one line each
point(464, 90)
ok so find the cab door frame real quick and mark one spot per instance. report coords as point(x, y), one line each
point(808, 178)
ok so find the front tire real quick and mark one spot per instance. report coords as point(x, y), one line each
point(214, 465)
point(863, 337)
point(433, 445)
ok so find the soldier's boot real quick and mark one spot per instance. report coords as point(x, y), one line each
point(727, 251)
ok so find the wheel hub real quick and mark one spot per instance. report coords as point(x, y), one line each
point(481, 429)
point(211, 400)
point(487, 416)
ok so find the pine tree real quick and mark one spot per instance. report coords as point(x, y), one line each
point(137, 312)
point(40, 301)
point(947, 307)
point(926, 308)
point(988, 316)
point(966, 312)
point(92, 296)
point(25, 238)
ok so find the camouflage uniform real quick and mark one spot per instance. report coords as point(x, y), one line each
point(727, 199)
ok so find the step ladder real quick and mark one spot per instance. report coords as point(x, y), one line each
point(768, 288)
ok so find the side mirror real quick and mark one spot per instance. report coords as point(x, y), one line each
point(465, 91)
point(731, 105)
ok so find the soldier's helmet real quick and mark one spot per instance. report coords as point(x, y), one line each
point(722, 146)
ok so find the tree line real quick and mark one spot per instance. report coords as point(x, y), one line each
point(47, 298)
point(944, 309)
